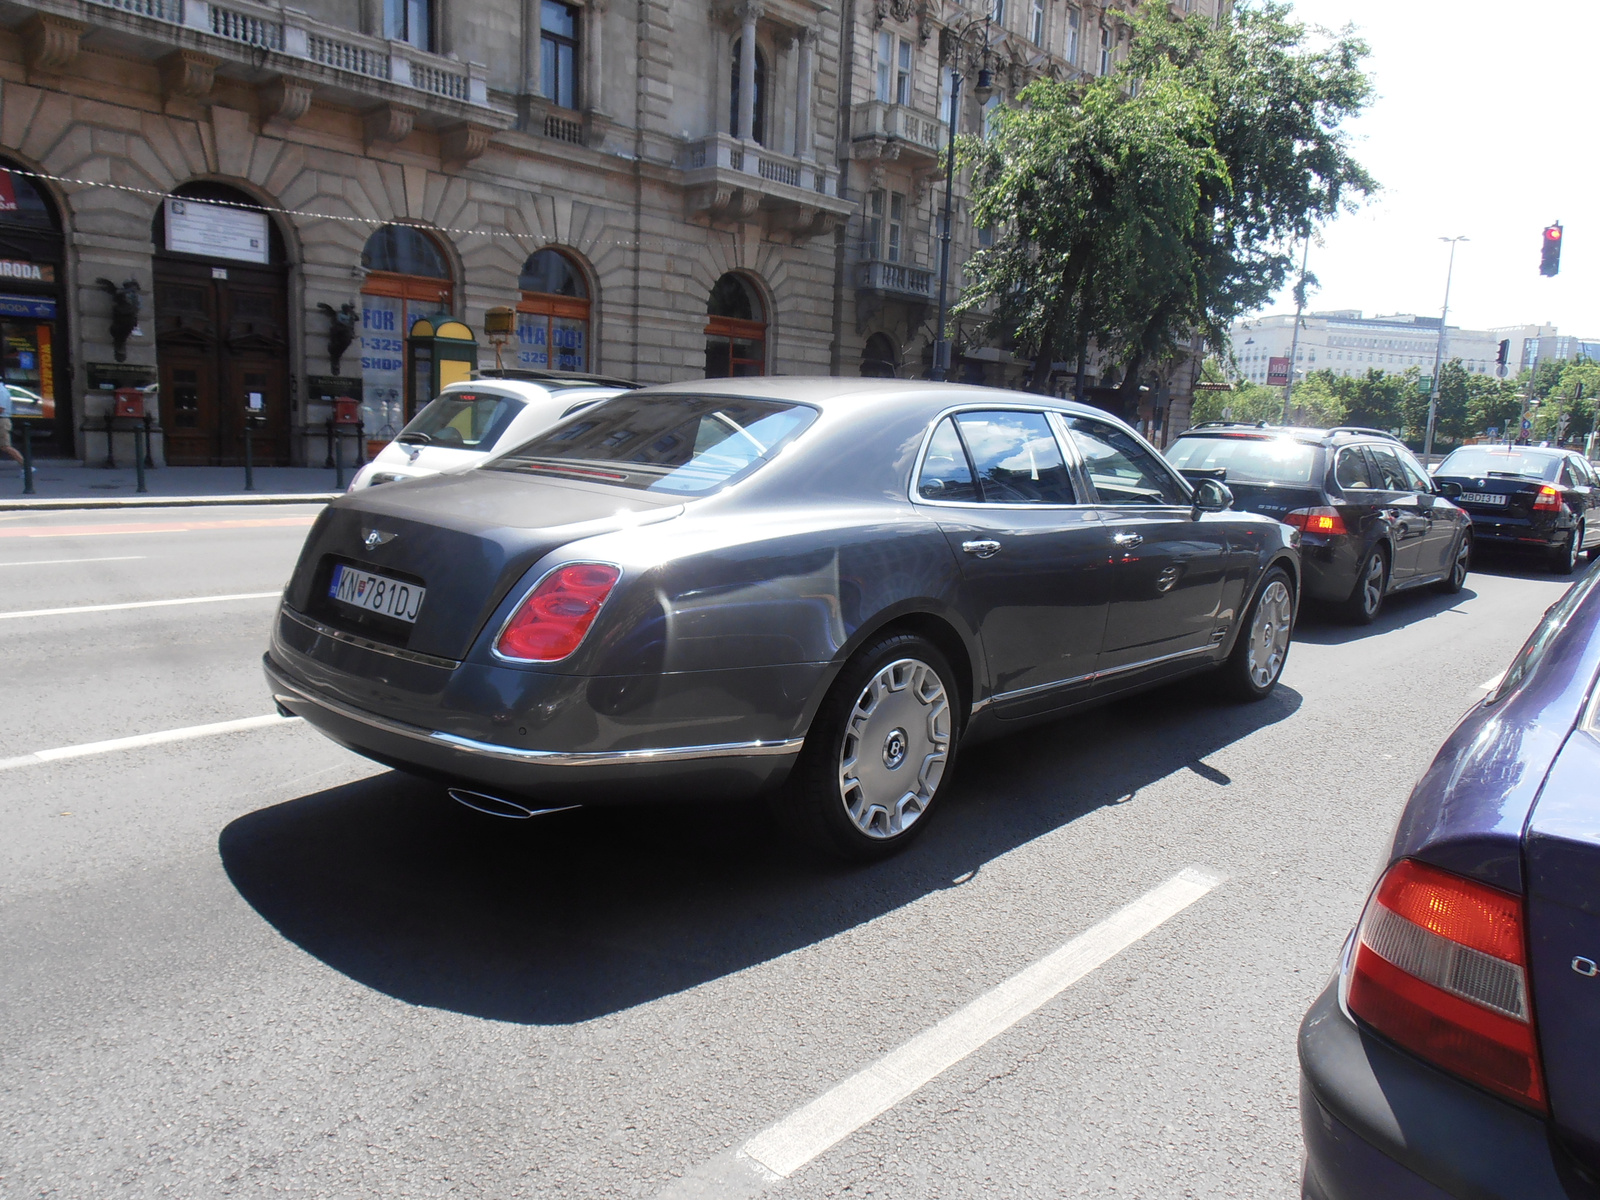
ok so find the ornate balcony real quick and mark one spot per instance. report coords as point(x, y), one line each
point(896, 131)
point(895, 281)
point(731, 180)
point(287, 54)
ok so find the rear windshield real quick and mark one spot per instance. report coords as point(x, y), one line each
point(1487, 460)
point(682, 445)
point(1246, 459)
point(462, 421)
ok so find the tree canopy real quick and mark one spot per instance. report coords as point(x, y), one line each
point(1146, 208)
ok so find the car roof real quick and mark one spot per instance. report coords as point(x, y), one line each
point(1319, 437)
point(1502, 448)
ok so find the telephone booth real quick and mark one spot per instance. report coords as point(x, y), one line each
point(436, 357)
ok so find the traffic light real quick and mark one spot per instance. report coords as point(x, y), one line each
point(1550, 258)
point(1504, 352)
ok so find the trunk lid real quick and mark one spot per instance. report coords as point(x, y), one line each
point(467, 538)
point(1274, 500)
point(1496, 496)
point(1561, 852)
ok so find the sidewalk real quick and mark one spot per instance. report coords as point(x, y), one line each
point(67, 483)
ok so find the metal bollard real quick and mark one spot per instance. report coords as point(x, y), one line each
point(27, 458)
point(149, 462)
point(361, 445)
point(328, 463)
point(111, 456)
point(249, 466)
point(140, 431)
point(338, 457)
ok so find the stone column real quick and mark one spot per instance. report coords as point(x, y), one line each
point(749, 14)
point(804, 138)
point(594, 19)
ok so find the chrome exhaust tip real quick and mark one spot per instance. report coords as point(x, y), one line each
point(498, 806)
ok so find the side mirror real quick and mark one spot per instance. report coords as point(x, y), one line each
point(1212, 495)
point(1450, 491)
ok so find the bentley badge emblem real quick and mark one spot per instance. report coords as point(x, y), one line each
point(377, 537)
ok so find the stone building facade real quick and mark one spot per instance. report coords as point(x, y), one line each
point(246, 210)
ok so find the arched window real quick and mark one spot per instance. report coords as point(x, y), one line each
point(736, 329)
point(878, 358)
point(408, 278)
point(31, 352)
point(758, 123)
point(553, 315)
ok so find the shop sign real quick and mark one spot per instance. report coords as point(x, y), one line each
point(216, 230)
point(28, 306)
point(541, 338)
point(8, 194)
point(27, 271)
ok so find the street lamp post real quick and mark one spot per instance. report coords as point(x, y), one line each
point(1438, 349)
point(1294, 337)
point(941, 344)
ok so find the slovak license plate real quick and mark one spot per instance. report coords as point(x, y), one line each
point(375, 593)
point(1482, 498)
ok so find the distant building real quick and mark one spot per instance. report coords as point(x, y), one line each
point(1522, 337)
point(1542, 349)
point(1347, 343)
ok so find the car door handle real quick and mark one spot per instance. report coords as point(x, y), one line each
point(986, 548)
point(1128, 541)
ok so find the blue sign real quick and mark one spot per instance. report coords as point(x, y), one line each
point(1526, 425)
point(1492, 431)
point(27, 306)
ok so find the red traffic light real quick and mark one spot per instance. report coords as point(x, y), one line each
point(1552, 233)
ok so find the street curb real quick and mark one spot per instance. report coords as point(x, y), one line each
point(49, 505)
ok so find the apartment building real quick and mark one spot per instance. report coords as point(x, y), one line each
point(1347, 343)
point(247, 210)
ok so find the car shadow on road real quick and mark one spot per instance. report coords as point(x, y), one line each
point(569, 917)
point(1324, 627)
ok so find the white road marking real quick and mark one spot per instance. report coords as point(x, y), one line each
point(1489, 685)
point(51, 562)
point(144, 739)
point(778, 1152)
point(92, 608)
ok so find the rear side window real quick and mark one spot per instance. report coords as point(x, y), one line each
point(1017, 458)
point(946, 473)
point(462, 421)
point(1390, 474)
point(1350, 469)
point(1122, 470)
point(1247, 459)
point(678, 444)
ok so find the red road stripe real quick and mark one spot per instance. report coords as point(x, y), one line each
point(40, 531)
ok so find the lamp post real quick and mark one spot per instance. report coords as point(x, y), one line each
point(1294, 337)
point(941, 342)
point(1438, 349)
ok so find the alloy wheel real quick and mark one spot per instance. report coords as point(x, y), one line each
point(1372, 584)
point(1458, 573)
point(1269, 634)
point(895, 747)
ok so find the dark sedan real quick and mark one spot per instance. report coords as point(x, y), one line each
point(1457, 1052)
point(716, 588)
point(1527, 497)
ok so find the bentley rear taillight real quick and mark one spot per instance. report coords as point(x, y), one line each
point(1548, 499)
point(1316, 520)
point(551, 623)
point(1440, 967)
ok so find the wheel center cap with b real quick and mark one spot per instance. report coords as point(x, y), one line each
point(894, 749)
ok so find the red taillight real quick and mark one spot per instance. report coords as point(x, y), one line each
point(1317, 520)
point(1548, 499)
point(555, 616)
point(1440, 967)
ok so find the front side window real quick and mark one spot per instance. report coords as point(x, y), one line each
point(1416, 477)
point(679, 445)
point(1121, 469)
point(558, 53)
point(1016, 458)
point(1390, 474)
point(946, 470)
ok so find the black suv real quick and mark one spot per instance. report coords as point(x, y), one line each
point(1528, 497)
point(1371, 520)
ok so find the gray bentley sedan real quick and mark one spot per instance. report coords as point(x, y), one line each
point(810, 589)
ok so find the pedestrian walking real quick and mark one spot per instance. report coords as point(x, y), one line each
point(5, 425)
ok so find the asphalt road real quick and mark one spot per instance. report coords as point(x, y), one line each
point(255, 964)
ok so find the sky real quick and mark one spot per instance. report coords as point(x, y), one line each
point(1482, 126)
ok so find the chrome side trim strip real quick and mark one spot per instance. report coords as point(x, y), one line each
point(350, 639)
point(1038, 688)
point(289, 695)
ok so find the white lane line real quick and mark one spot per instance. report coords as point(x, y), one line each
point(93, 608)
point(144, 739)
point(1489, 685)
point(51, 562)
point(778, 1152)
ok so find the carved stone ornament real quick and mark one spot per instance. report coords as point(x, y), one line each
point(50, 43)
point(724, 202)
point(188, 73)
point(464, 142)
point(285, 99)
point(388, 123)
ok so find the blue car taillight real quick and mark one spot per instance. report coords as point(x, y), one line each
point(1440, 967)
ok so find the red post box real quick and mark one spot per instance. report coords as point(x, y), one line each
point(346, 411)
point(129, 402)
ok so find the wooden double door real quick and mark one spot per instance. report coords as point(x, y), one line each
point(222, 344)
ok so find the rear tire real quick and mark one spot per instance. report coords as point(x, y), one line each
point(879, 752)
point(1566, 560)
point(1253, 668)
point(1459, 566)
point(1372, 585)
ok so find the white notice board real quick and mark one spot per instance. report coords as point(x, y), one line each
point(217, 231)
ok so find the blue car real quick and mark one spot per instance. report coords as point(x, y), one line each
point(1457, 1052)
